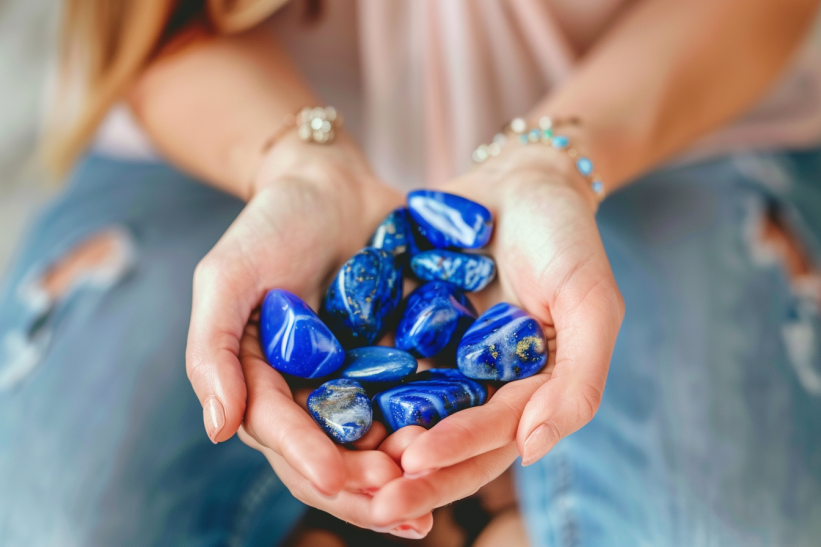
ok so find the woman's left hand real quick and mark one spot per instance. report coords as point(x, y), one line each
point(551, 263)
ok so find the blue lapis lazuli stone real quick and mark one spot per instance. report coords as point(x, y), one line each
point(294, 340)
point(394, 234)
point(435, 317)
point(342, 409)
point(504, 343)
point(469, 272)
point(447, 220)
point(559, 142)
point(362, 297)
point(429, 400)
point(584, 166)
point(378, 364)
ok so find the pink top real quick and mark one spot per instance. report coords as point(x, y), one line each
point(422, 82)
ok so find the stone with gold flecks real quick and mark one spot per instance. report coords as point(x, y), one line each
point(362, 297)
point(505, 343)
point(342, 409)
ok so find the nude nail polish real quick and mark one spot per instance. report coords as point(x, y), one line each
point(539, 443)
point(407, 531)
point(213, 416)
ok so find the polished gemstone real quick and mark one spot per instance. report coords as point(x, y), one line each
point(469, 272)
point(342, 409)
point(447, 220)
point(378, 364)
point(394, 234)
point(440, 393)
point(435, 317)
point(362, 297)
point(504, 343)
point(293, 338)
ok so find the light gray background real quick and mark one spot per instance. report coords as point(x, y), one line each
point(27, 37)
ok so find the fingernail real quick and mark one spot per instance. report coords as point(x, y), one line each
point(385, 529)
point(325, 494)
point(538, 444)
point(407, 531)
point(421, 474)
point(214, 417)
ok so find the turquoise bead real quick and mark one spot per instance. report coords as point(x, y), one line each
point(559, 142)
point(585, 166)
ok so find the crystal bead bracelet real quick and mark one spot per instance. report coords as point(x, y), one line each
point(518, 131)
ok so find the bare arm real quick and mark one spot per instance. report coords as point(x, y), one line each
point(670, 70)
point(211, 104)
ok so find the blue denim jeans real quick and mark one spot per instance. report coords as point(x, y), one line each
point(709, 432)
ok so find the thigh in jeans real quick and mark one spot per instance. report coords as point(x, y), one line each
point(101, 436)
point(708, 431)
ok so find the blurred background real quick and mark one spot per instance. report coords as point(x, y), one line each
point(27, 39)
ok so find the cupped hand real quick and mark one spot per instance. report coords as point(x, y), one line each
point(311, 208)
point(551, 262)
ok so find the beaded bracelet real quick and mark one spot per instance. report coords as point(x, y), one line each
point(517, 131)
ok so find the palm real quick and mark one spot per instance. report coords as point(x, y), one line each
point(550, 262)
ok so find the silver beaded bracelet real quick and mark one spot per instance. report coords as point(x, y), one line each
point(518, 131)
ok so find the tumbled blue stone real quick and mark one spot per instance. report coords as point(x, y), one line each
point(378, 364)
point(394, 234)
point(342, 409)
point(435, 317)
point(504, 343)
point(362, 297)
point(447, 220)
point(469, 272)
point(293, 338)
point(428, 401)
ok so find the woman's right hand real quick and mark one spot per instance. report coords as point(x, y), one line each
point(311, 208)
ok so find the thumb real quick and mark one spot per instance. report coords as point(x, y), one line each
point(587, 316)
point(218, 319)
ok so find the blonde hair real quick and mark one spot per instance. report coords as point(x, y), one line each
point(105, 44)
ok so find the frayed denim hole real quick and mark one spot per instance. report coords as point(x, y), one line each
point(23, 348)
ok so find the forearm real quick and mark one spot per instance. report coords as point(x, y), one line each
point(211, 105)
point(670, 71)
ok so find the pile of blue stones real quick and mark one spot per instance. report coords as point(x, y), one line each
point(425, 241)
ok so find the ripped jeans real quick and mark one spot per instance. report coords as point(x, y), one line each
point(709, 432)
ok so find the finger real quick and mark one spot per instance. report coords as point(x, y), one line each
point(395, 444)
point(218, 317)
point(277, 422)
point(473, 431)
point(372, 439)
point(348, 506)
point(405, 498)
point(415, 529)
point(368, 471)
point(588, 317)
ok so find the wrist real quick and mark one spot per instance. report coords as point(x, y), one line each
point(522, 164)
point(548, 136)
point(338, 172)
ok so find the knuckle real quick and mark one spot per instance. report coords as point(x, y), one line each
point(589, 399)
point(208, 272)
point(617, 302)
